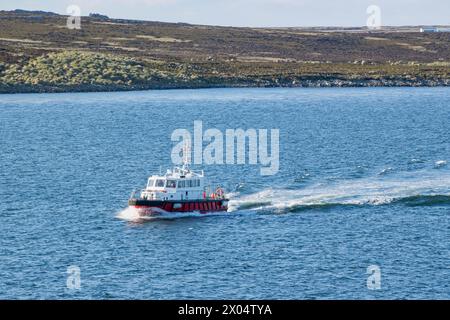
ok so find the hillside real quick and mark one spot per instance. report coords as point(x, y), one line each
point(38, 53)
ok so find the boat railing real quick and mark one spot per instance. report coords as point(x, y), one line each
point(219, 194)
point(215, 197)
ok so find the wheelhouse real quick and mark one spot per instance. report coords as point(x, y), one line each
point(177, 184)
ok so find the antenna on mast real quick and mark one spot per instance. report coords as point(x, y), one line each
point(186, 155)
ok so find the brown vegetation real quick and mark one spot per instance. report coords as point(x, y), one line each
point(39, 53)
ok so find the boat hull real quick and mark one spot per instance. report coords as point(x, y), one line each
point(157, 207)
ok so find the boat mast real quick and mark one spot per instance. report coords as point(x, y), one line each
point(186, 157)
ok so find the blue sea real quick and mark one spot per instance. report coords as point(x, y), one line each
point(363, 181)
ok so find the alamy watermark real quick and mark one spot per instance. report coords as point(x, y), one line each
point(237, 150)
point(74, 18)
point(73, 281)
point(374, 20)
point(374, 278)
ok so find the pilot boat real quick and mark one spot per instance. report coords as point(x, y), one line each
point(179, 190)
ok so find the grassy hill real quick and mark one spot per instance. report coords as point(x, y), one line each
point(38, 53)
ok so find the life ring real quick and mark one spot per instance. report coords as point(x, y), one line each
point(219, 192)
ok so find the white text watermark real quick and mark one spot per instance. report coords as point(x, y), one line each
point(237, 150)
point(73, 278)
point(374, 278)
point(74, 18)
point(374, 20)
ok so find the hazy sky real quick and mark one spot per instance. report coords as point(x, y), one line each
point(255, 12)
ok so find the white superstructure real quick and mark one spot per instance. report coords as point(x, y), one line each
point(180, 183)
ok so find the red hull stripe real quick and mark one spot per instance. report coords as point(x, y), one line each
point(188, 206)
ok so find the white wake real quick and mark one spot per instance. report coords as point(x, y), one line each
point(377, 190)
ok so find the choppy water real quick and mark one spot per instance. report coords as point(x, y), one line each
point(363, 180)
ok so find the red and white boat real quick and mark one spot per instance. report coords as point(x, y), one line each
point(180, 190)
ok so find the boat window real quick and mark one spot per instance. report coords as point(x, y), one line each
point(171, 184)
point(160, 183)
point(181, 184)
point(188, 183)
point(151, 183)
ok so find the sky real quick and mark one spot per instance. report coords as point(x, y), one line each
point(255, 13)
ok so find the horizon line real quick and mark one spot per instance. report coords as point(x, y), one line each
point(233, 26)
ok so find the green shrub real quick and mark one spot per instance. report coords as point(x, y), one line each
point(76, 68)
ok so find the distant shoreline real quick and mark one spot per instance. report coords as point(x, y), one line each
point(320, 84)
